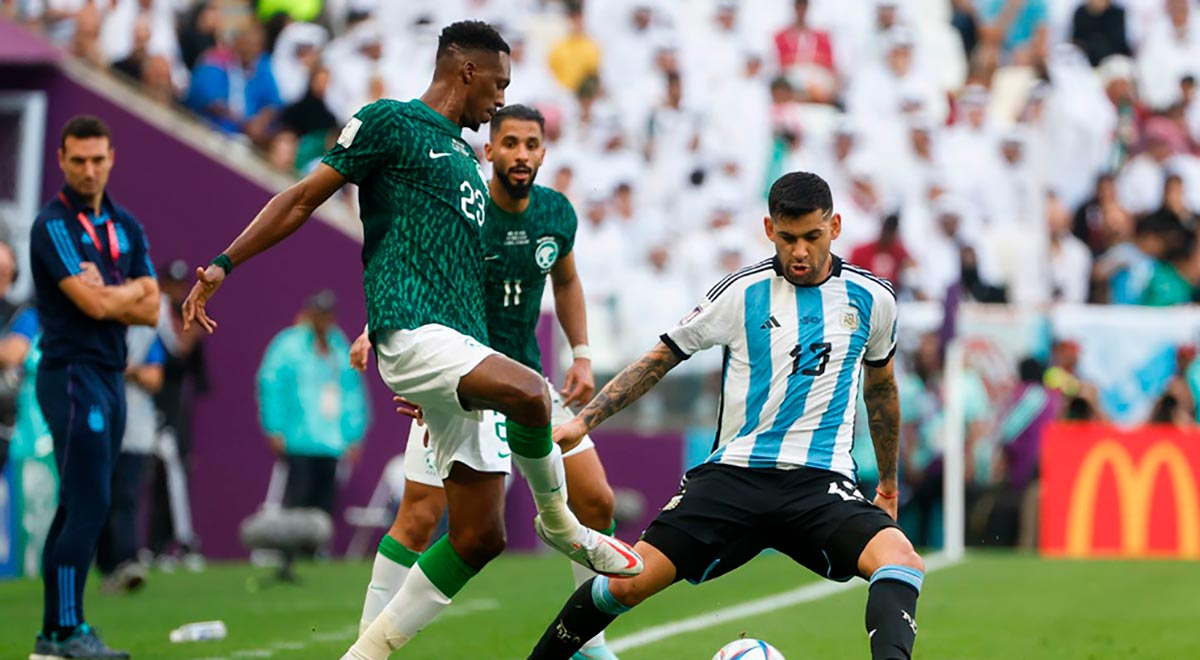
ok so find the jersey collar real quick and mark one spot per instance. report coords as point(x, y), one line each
point(76, 203)
point(438, 118)
point(835, 270)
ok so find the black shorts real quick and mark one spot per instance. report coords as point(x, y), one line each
point(724, 515)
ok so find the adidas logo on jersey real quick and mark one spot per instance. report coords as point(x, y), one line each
point(770, 323)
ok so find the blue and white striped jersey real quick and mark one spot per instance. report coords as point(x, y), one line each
point(793, 361)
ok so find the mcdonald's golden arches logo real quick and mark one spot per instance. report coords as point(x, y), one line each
point(1155, 472)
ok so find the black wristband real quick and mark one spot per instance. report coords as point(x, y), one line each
point(223, 262)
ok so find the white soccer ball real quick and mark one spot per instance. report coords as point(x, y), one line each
point(748, 649)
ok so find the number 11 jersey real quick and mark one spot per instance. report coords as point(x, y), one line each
point(520, 251)
point(422, 198)
point(793, 362)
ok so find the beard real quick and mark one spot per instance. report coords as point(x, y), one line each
point(517, 190)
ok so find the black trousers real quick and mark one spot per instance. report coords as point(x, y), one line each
point(161, 523)
point(119, 538)
point(311, 482)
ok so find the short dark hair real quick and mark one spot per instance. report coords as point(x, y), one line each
point(82, 127)
point(797, 194)
point(470, 35)
point(520, 113)
point(1031, 370)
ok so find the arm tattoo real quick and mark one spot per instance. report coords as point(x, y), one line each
point(629, 385)
point(883, 409)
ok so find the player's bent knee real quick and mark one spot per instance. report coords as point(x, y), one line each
point(903, 554)
point(912, 560)
point(479, 546)
point(530, 399)
point(630, 592)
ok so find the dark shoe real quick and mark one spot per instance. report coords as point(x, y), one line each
point(131, 575)
point(45, 649)
point(85, 644)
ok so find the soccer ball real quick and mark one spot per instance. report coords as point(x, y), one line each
point(748, 649)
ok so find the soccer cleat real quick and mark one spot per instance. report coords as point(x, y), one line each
point(45, 649)
point(83, 644)
point(595, 653)
point(602, 554)
point(130, 576)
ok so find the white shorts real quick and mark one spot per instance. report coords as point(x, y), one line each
point(484, 446)
point(424, 366)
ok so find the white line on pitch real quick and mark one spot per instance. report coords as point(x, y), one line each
point(796, 596)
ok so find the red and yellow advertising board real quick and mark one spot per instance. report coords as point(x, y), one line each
point(1108, 492)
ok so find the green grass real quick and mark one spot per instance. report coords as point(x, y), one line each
point(994, 606)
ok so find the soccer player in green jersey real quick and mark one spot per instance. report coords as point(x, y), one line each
point(422, 197)
point(529, 233)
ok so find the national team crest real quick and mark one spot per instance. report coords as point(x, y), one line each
point(850, 320)
point(546, 252)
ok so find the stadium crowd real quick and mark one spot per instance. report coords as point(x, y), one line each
point(1079, 122)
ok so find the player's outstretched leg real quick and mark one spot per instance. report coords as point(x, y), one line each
point(599, 601)
point(522, 396)
point(421, 508)
point(591, 500)
point(896, 572)
point(476, 504)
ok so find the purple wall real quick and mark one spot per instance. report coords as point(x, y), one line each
point(19, 46)
point(192, 207)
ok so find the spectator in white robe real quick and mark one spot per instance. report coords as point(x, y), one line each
point(1070, 258)
point(297, 51)
point(1171, 51)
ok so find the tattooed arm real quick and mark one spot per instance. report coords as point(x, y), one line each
point(627, 387)
point(883, 411)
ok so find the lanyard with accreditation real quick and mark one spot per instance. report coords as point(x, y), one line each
point(114, 247)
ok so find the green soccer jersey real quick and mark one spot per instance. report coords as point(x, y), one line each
point(519, 251)
point(422, 197)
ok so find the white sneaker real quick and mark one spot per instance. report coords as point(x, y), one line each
point(602, 554)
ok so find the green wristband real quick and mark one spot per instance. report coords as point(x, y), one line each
point(223, 262)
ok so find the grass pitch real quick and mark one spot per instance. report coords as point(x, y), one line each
point(992, 606)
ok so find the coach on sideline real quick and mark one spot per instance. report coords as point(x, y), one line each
point(93, 278)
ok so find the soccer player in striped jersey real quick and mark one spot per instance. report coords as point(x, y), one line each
point(801, 332)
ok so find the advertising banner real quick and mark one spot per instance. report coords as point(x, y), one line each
point(1108, 492)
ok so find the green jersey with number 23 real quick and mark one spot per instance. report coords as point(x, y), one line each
point(422, 198)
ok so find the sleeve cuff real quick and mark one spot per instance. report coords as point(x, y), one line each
point(875, 364)
point(339, 167)
point(666, 339)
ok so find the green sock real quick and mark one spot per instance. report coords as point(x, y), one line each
point(444, 568)
point(395, 550)
point(529, 441)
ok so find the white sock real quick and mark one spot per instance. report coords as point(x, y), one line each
point(583, 574)
point(415, 606)
point(386, 579)
point(548, 482)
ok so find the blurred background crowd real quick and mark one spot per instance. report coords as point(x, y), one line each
point(668, 119)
